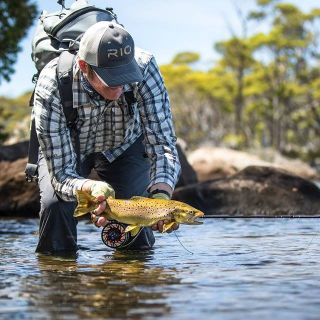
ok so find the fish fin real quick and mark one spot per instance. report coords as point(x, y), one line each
point(133, 229)
point(138, 198)
point(167, 226)
point(86, 203)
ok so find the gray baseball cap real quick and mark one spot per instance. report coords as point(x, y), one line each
point(109, 49)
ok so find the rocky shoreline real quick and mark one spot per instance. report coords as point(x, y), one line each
point(253, 189)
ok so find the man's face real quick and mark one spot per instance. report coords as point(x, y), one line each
point(109, 93)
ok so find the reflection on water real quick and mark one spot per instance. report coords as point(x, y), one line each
point(240, 269)
point(122, 285)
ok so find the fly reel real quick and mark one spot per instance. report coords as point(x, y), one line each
point(113, 235)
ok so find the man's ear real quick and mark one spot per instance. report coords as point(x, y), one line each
point(83, 66)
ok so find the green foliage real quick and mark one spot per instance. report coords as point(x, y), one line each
point(263, 3)
point(256, 15)
point(186, 58)
point(264, 91)
point(16, 16)
point(14, 118)
point(234, 141)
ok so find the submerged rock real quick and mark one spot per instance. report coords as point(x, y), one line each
point(254, 191)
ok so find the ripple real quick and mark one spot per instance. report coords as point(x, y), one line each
point(239, 269)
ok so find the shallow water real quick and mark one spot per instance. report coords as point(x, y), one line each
point(239, 269)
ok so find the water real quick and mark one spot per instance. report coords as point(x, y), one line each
point(239, 269)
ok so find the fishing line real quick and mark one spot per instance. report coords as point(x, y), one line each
point(306, 249)
point(209, 216)
point(174, 231)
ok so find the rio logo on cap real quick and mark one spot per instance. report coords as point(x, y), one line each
point(120, 52)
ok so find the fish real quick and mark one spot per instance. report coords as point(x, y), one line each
point(139, 212)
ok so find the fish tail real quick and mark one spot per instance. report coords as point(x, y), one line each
point(132, 229)
point(86, 203)
point(168, 226)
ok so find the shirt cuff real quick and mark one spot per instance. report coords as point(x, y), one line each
point(163, 179)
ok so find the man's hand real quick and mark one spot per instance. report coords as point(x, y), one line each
point(101, 191)
point(159, 226)
point(100, 188)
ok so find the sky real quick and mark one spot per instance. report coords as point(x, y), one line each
point(163, 27)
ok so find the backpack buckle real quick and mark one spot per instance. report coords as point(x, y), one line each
point(31, 172)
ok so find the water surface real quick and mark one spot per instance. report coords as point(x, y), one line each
point(239, 269)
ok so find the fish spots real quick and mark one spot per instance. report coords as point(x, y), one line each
point(141, 211)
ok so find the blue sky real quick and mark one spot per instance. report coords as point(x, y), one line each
point(163, 27)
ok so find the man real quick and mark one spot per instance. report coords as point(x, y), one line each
point(131, 147)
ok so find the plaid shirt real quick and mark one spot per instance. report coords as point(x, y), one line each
point(105, 126)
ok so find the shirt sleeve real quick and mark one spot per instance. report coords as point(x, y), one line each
point(157, 125)
point(54, 136)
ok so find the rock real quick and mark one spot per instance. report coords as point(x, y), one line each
point(17, 197)
point(188, 174)
point(14, 151)
point(214, 163)
point(254, 191)
point(20, 198)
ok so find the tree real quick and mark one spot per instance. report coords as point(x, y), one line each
point(16, 16)
point(237, 57)
point(186, 58)
point(291, 48)
point(200, 101)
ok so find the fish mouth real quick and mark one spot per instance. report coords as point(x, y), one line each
point(199, 214)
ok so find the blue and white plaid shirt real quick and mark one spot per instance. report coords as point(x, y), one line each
point(105, 126)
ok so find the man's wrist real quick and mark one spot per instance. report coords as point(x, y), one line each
point(161, 191)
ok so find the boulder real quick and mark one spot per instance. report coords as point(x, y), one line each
point(254, 191)
point(214, 163)
point(17, 197)
point(20, 198)
point(14, 151)
point(188, 174)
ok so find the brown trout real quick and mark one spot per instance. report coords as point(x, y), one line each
point(140, 211)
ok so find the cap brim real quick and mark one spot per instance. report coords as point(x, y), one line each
point(118, 76)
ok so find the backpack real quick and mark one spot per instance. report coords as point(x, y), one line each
point(59, 34)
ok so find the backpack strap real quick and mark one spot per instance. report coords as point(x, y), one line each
point(64, 76)
point(31, 169)
point(65, 79)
